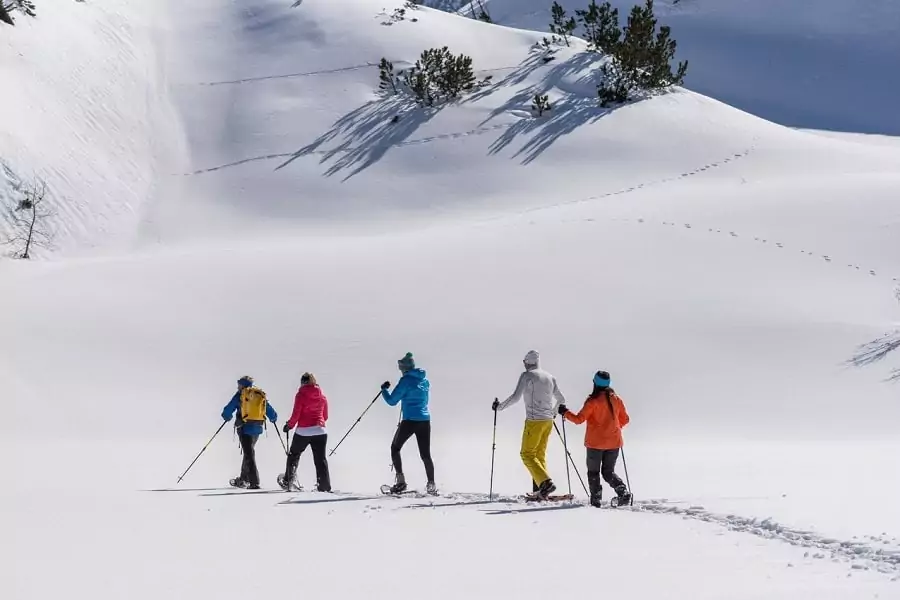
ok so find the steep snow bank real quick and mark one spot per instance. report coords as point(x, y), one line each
point(86, 108)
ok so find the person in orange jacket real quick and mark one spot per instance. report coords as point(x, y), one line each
point(605, 414)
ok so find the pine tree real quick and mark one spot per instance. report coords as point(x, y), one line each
point(561, 25)
point(387, 78)
point(601, 23)
point(24, 6)
point(642, 60)
point(4, 14)
point(540, 104)
point(646, 54)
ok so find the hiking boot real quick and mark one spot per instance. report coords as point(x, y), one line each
point(546, 488)
point(623, 496)
point(400, 486)
point(596, 489)
point(431, 488)
point(253, 486)
point(237, 482)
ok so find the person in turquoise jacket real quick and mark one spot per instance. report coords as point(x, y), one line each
point(412, 393)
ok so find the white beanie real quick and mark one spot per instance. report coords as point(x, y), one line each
point(532, 358)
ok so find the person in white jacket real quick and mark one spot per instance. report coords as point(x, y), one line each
point(542, 400)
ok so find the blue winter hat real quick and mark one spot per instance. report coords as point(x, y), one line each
point(407, 362)
point(245, 381)
point(601, 379)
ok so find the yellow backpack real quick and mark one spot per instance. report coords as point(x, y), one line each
point(253, 404)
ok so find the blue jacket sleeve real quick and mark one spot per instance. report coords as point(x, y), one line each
point(270, 412)
point(393, 398)
point(232, 406)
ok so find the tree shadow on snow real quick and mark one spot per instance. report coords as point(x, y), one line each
point(365, 135)
point(574, 104)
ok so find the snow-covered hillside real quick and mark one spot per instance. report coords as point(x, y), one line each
point(826, 64)
point(722, 267)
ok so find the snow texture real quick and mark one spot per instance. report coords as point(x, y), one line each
point(236, 198)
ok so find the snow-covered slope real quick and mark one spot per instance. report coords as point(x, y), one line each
point(722, 267)
point(85, 108)
point(823, 64)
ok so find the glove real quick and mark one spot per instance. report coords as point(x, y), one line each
point(226, 417)
point(562, 409)
point(495, 405)
point(386, 385)
point(286, 428)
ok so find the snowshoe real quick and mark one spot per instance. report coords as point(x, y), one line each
point(293, 486)
point(552, 498)
point(393, 490)
point(237, 482)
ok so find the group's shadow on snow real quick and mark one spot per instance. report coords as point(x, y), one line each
point(244, 492)
point(574, 103)
point(515, 511)
point(446, 504)
point(325, 500)
point(365, 135)
point(211, 489)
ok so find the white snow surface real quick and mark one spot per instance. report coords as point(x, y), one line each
point(237, 201)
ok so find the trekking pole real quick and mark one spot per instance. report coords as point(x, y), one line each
point(572, 460)
point(566, 446)
point(283, 440)
point(333, 450)
point(493, 451)
point(202, 451)
point(627, 480)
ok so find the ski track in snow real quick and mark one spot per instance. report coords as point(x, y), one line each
point(879, 553)
point(861, 555)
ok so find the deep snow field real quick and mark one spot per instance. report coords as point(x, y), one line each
point(234, 199)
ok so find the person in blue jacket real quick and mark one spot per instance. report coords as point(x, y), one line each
point(411, 393)
point(248, 430)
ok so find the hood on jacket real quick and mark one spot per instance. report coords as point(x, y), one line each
point(311, 390)
point(416, 373)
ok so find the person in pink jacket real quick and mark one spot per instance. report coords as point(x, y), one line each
point(309, 417)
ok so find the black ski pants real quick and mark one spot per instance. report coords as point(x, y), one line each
point(422, 431)
point(602, 463)
point(318, 443)
point(249, 472)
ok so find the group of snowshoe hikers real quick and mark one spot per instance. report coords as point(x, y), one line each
point(603, 411)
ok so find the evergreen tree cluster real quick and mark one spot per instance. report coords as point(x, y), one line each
point(438, 76)
point(640, 54)
point(7, 7)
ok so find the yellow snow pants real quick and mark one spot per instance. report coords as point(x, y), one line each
point(534, 449)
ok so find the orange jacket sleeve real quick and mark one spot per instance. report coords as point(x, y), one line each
point(624, 419)
point(583, 414)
